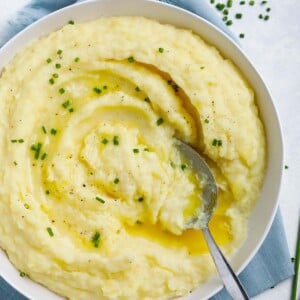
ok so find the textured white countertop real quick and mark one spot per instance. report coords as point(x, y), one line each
point(274, 48)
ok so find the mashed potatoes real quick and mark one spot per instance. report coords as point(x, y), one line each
point(93, 193)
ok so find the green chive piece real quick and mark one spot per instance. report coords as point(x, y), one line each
point(159, 121)
point(37, 149)
point(160, 50)
point(15, 163)
point(219, 142)
point(47, 192)
point(260, 16)
point(266, 18)
point(135, 150)
point(66, 104)
point(137, 89)
point(14, 141)
point(242, 2)
point(50, 232)
point(229, 22)
point(251, 2)
point(55, 75)
point(61, 91)
point(214, 142)
point(21, 141)
point(100, 199)
point(172, 165)
point(22, 274)
point(96, 239)
point(116, 140)
point(71, 110)
point(105, 87)
point(286, 167)
point(105, 141)
point(57, 66)
point(138, 221)
point(116, 180)
point(76, 59)
point(292, 259)
point(147, 99)
point(49, 60)
point(264, 2)
point(212, 1)
point(202, 68)
point(97, 90)
point(141, 199)
point(44, 156)
point(242, 35)
point(268, 9)
point(59, 52)
point(53, 131)
point(146, 149)
point(183, 167)
point(229, 3)
point(26, 205)
point(71, 22)
point(225, 12)
point(220, 6)
point(51, 81)
point(238, 16)
point(131, 59)
point(225, 18)
point(206, 121)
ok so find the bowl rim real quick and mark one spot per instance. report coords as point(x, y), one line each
point(8, 50)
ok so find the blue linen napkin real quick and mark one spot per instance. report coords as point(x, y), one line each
point(271, 264)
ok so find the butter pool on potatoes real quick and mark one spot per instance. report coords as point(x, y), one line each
point(94, 194)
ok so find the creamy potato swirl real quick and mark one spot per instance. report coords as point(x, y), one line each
point(94, 193)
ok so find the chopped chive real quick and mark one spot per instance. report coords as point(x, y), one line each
point(14, 141)
point(57, 66)
point(131, 59)
point(242, 2)
point(251, 2)
point(212, 1)
point(44, 156)
point(105, 87)
point(22, 274)
point(147, 99)
point(66, 104)
point(264, 2)
point(260, 16)
point(135, 150)
point(116, 140)
point(141, 199)
point(172, 164)
point(202, 68)
point(15, 163)
point(21, 141)
point(47, 192)
point(159, 121)
point(49, 229)
point(229, 3)
point(49, 60)
point(96, 239)
point(214, 142)
point(220, 6)
point(55, 75)
point(97, 90)
point(242, 35)
point(77, 59)
point(138, 221)
point(100, 199)
point(286, 167)
point(219, 142)
point(225, 12)
point(61, 91)
point(146, 149)
point(59, 52)
point(292, 259)
point(206, 121)
point(229, 22)
point(105, 141)
point(51, 81)
point(225, 18)
point(266, 17)
point(183, 167)
point(238, 16)
point(137, 89)
point(53, 131)
point(26, 205)
point(71, 22)
point(160, 50)
point(71, 109)
point(116, 180)
point(37, 149)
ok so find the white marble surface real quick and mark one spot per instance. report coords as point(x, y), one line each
point(274, 48)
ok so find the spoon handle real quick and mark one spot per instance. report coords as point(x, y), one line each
point(230, 280)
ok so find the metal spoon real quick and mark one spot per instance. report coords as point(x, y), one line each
point(210, 195)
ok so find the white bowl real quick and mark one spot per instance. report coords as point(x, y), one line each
point(263, 214)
